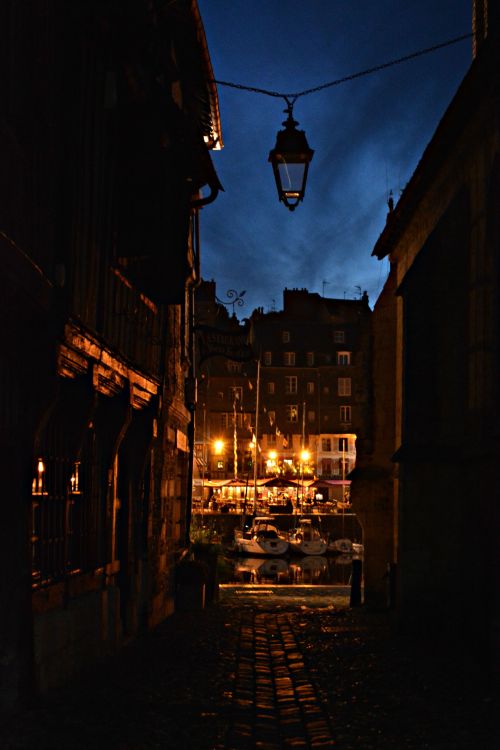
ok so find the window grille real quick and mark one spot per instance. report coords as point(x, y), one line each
point(68, 514)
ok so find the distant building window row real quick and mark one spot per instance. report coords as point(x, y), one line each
point(225, 420)
point(342, 445)
point(338, 337)
point(335, 468)
point(289, 358)
point(291, 387)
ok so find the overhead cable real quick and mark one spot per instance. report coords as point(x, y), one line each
point(291, 98)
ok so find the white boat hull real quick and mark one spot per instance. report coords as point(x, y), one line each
point(304, 547)
point(262, 540)
point(261, 548)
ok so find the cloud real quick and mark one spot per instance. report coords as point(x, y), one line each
point(368, 135)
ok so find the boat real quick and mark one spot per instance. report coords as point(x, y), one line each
point(342, 546)
point(261, 540)
point(346, 546)
point(306, 539)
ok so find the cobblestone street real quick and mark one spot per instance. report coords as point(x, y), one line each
point(269, 668)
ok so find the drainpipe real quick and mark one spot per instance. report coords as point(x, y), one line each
point(191, 384)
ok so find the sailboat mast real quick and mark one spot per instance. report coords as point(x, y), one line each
point(257, 406)
point(235, 440)
point(343, 486)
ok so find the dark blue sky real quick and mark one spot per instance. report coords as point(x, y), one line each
point(368, 135)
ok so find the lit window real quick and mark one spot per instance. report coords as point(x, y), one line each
point(270, 387)
point(344, 386)
point(345, 413)
point(343, 358)
point(290, 384)
point(339, 337)
point(310, 386)
point(310, 359)
point(292, 413)
point(285, 337)
point(311, 416)
point(268, 358)
point(326, 445)
point(272, 417)
point(289, 359)
point(220, 465)
point(74, 480)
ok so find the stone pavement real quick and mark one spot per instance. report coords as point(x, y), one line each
point(270, 668)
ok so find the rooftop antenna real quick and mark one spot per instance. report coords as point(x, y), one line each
point(359, 288)
point(325, 283)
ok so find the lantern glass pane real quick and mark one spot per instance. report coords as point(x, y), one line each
point(291, 177)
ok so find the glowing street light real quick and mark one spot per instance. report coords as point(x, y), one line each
point(218, 447)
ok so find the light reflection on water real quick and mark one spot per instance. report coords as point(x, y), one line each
point(310, 570)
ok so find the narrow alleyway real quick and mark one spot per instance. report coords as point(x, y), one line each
point(269, 668)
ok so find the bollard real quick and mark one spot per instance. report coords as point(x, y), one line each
point(357, 572)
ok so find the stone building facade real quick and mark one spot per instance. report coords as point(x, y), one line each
point(107, 114)
point(313, 389)
point(430, 482)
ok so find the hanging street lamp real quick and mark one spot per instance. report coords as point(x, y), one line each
point(290, 159)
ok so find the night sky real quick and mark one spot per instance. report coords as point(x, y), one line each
point(368, 135)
